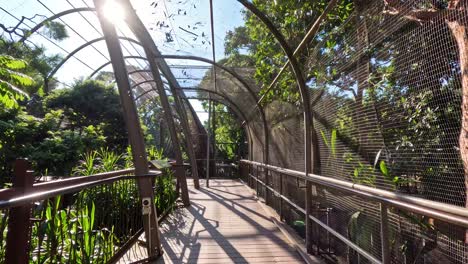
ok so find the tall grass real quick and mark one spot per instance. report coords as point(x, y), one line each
point(90, 225)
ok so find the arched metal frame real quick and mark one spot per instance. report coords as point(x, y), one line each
point(277, 34)
point(233, 109)
point(98, 69)
point(308, 121)
point(58, 15)
point(136, 138)
point(247, 87)
point(90, 9)
point(87, 44)
point(311, 162)
point(228, 70)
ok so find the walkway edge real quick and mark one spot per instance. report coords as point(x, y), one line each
point(293, 239)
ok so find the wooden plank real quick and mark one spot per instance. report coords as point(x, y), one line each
point(224, 224)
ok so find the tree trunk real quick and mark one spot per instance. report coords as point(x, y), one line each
point(460, 34)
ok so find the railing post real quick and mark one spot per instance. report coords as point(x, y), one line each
point(267, 184)
point(256, 180)
point(384, 235)
point(308, 221)
point(19, 226)
point(281, 198)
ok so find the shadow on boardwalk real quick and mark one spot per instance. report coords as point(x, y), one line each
point(224, 224)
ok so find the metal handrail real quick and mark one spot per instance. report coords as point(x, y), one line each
point(19, 198)
point(445, 212)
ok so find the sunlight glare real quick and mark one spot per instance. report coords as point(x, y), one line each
point(114, 12)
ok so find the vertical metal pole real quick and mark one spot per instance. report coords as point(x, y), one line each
point(135, 133)
point(19, 226)
point(384, 235)
point(213, 139)
point(188, 136)
point(161, 134)
point(208, 135)
point(179, 168)
point(151, 52)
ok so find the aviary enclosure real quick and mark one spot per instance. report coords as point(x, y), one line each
point(347, 117)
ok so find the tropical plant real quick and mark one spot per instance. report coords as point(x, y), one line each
point(12, 81)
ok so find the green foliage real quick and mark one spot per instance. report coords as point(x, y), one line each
point(155, 153)
point(38, 64)
point(12, 81)
point(293, 19)
point(228, 132)
point(91, 103)
point(70, 235)
point(56, 30)
point(330, 144)
point(98, 161)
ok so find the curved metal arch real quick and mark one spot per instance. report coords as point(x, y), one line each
point(89, 43)
point(231, 105)
point(196, 58)
point(310, 158)
point(108, 63)
point(194, 89)
point(142, 82)
point(237, 112)
point(222, 96)
point(230, 71)
point(227, 69)
point(243, 82)
point(297, 73)
point(58, 15)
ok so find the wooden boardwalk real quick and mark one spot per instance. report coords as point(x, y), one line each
point(224, 224)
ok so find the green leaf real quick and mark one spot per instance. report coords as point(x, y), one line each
point(325, 140)
point(333, 142)
point(383, 168)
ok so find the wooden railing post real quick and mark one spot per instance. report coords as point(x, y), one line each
point(19, 227)
point(281, 198)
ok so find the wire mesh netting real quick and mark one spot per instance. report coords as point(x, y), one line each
point(386, 100)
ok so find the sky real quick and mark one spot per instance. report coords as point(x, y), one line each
point(177, 26)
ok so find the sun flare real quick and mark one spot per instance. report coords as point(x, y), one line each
point(114, 12)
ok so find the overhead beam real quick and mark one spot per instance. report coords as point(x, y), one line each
point(51, 18)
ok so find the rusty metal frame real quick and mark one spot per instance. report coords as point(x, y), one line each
point(139, 30)
point(135, 133)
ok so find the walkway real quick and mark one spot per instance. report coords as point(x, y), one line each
point(224, 224)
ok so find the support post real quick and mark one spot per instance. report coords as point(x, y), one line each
point(208, 135)
point(281, 198)
point(135, 133)
point(19, 226)
point(151, 52)
point(169, 118)
point(384, 235)
point(188, 136)
point(213, 139)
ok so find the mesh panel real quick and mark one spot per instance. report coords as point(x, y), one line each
point(386, 97)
